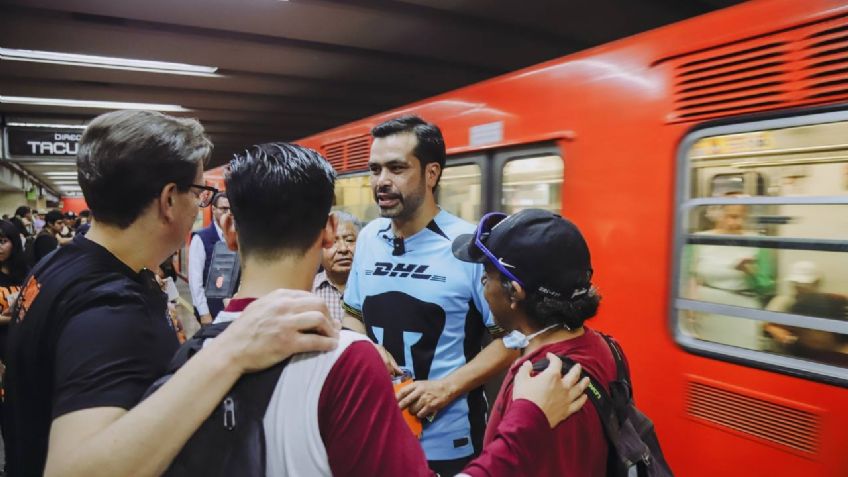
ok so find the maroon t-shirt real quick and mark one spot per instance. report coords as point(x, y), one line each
point(578, 446)
point(365, 435)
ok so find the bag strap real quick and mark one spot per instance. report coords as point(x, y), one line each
point(195, 344)
point(622, 369)
point(597, 394)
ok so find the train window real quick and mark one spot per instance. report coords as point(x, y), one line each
point(460, 191)
point(354, 196)
point(532, 182)
point(762, 255)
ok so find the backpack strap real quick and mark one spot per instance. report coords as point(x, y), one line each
point(597, 394)
point(622, 387)
point(195, 344)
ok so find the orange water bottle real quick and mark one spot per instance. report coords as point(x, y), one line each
point(411, 419)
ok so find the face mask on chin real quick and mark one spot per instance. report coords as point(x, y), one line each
point(518, 340)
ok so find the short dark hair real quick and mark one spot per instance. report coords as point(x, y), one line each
point(125, 158)
point(53, 216)
point(22, 211)
point(544, 310)
point(280, 195)
point(430, 146)
point(85, 213)
point(16, 262)
point(218, 196)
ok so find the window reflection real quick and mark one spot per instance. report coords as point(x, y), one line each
point(460, 191)
point(354, 196)
point(797, 274)
point(533, 182)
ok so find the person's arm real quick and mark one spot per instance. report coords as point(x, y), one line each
point(425, 398)
point(196, 261)
point(540, 404)
point(361, 426)
point(142, 441)
point(364, 434)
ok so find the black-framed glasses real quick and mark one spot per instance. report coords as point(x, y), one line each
point(484, 228)
point(207, 193)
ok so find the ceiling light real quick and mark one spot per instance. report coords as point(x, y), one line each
point(76, 103)
point(60, 174)
point(92, 61)
point(69, 162)
point(42, 125)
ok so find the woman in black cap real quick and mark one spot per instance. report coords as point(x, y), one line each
point(538, 286)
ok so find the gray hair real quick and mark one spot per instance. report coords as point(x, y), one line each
point(344, 217)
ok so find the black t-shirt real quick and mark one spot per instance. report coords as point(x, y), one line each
point(44, 243)
point(88, 332)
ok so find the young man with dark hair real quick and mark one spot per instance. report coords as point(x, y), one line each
point(538, 284)
point(426, 309)
point(46, 240)
point(200, 258)
point(281, 196)
point(90, 332)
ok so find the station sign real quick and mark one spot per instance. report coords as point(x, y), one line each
point(42, 142)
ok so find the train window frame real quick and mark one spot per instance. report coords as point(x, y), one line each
point(684, 203)
point(504, 156)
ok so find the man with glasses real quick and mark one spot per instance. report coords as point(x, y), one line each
point(200, 257)
point(90, 332)
point(424, 307)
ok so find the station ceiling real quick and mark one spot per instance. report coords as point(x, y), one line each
point(287, 69)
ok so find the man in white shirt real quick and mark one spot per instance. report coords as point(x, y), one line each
point(200, 256)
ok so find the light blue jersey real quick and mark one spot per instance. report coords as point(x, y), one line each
point(427, 309)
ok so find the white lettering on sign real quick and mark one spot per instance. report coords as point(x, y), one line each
point(67, 137)
point(47, 148)
point(489, 133)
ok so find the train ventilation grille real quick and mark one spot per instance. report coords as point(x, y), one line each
point(349, 154)
point(796, 67)
point(825, 62)
point(776, 423)
point(732, 81)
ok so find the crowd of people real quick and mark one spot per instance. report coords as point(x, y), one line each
point(339, 308)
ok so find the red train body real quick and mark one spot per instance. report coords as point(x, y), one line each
point(619, 116)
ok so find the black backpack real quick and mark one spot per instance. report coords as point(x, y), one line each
point(634, 450)
point(231, 441)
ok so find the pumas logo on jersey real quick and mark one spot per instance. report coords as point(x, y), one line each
point(403, 270)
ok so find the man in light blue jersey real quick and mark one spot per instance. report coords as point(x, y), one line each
point(421, 305)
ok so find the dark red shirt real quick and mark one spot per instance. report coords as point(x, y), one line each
point(578, 446)
point(365, 435)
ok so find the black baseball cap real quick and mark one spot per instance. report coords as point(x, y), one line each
point(546, 252)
